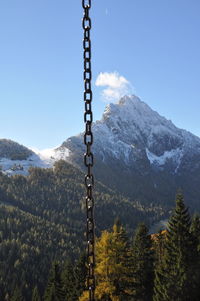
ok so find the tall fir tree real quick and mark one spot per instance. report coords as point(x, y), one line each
point(54, 290)
point(69, 283)
point(17, 295)
point(143, 269)
point(80, 273)
point(195, 231)
point(121, 248)
point(35, 294)
point(173, 281)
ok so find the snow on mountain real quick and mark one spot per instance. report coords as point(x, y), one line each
point(174, 154)
point(137, 152)
point(130, 132)
point(50, 155)
point(140, 153)
point(130, 129)
point(12, 165)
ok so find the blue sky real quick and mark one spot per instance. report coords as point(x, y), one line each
point(154, 45)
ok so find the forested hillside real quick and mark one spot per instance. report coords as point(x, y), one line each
point(42, 219)
point(160, 267)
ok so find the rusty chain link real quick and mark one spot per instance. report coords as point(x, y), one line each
point(88, 156)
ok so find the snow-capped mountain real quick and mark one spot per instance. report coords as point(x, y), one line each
point(137, 152)
point(130, 130)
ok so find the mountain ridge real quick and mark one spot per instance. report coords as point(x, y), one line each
point(137, 152)
point(131, 124)
point(141, 154)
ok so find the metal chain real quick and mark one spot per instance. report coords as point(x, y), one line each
point(88, 156)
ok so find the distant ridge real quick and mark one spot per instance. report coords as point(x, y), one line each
point(137, 152)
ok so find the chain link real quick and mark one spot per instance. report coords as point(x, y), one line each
point(88, 156)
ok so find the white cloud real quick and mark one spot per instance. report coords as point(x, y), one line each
point(116, 85)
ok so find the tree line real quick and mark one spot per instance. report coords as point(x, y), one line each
point(42, 220)
point(160, 267)
point(164, 266)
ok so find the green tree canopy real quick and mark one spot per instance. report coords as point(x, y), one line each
point(174, 274)
point(35, 294)
point(143, 270)
point(54, 290)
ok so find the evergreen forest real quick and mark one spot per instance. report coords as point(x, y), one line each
point(42, 242)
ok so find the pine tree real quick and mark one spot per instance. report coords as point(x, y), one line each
point(195, 231)
point(69, 282)
point(80, 273)
point(122, 274)
point(54, 290)
point(159, 247)
point(17, 295)
point(143, 258)
point(173, 280)
point(35, 294)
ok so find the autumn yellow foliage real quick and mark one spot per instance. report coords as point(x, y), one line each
point(112, 271)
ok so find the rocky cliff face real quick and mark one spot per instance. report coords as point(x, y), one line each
point(141, 153)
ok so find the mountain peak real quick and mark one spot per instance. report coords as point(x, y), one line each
point(130, 100)
point(139, 151)
point(127, 102)
point(137, 114)
point(133, 145)
point(130, 127)
point(131, 108)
